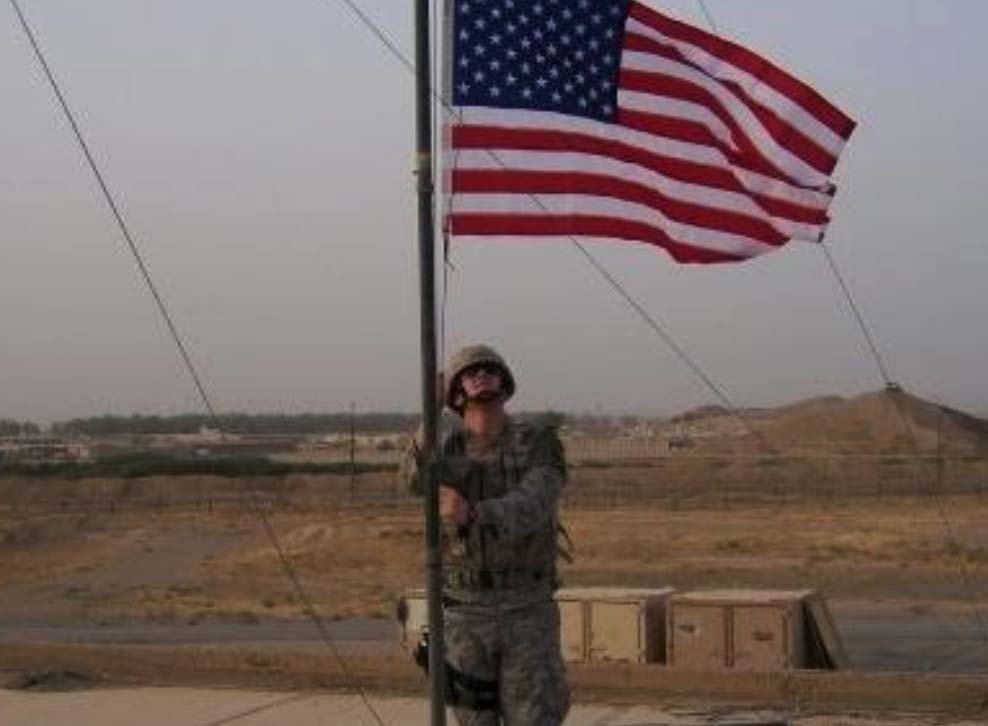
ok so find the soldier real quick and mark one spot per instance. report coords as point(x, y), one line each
point(500, 482)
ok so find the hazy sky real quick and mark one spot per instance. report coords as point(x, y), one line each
point(262, 155)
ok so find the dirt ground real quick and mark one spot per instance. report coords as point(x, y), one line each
point(905, 580)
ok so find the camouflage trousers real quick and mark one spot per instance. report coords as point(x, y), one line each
point(518, 648)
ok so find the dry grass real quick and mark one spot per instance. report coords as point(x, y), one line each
point(191, 565)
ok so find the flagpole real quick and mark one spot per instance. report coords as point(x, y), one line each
point(430, 414)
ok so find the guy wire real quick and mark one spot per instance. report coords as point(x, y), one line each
point(138, 259)
point(896, 395)
point(250, 498)
point(708, 15)
point(883, 369)
point(649, 320)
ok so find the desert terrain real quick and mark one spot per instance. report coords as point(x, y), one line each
point(893, 537)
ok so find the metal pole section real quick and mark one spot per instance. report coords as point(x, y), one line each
point(430, 414)
point(353, 451)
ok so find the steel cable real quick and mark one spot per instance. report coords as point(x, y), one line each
point(249, 498)
point(650, 320)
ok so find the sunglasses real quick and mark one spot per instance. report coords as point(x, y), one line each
point(486, 369)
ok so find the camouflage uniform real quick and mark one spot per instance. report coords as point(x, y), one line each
point(502, 623)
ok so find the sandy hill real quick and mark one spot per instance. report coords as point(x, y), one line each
point(878, 421)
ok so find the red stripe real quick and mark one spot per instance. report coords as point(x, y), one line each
point(510, 181)
point(496, 138)
point(694, 132)
point(752, 63)
point(660, 84)
point(580, 225)
point(785, 134)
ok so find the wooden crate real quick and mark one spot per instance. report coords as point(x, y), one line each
point(613, 624)
point(751, 630)
point(597, 624)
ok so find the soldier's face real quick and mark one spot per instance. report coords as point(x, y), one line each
point(482, 383)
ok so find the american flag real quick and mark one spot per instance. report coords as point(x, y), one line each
point(607, 119)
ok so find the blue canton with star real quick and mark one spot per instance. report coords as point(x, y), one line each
point(542, 55)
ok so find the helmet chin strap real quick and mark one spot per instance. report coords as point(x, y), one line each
point(484, 397)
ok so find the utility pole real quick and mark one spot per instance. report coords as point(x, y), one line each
point(430, 414)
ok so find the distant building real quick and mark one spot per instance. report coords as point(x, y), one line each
point(43, 449)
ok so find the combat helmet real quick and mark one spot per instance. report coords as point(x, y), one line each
point(469, 356)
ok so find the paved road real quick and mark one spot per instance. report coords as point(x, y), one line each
point(896, 641)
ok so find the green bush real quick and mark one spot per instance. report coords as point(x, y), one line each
point(142, 464)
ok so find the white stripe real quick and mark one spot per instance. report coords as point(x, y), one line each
point(781, 157)
point(781, 104)
point(676, 108)
point(697, 153)
point(578, 162)
point(579, 204)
